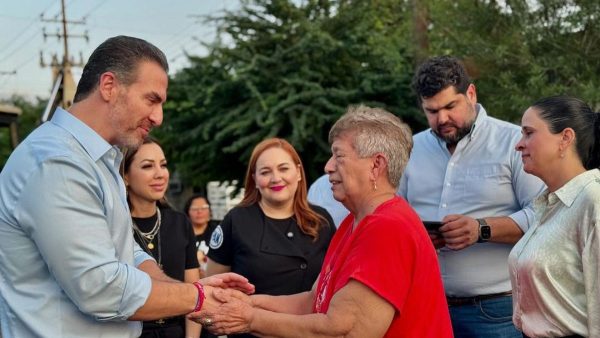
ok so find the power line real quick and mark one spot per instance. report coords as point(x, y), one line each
point(25, 41)
point(100, 4)
point(18, 35)
point(33, 56)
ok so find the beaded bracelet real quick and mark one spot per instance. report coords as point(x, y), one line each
point(201, 296)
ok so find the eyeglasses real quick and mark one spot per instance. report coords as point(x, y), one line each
point(199, 208)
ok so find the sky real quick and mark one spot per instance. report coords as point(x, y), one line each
point(175, 26)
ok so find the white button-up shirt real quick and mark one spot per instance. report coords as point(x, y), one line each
point(555, 266)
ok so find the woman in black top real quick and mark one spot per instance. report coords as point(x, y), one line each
point(198, 210)
point(273, 237)
point(161, 231)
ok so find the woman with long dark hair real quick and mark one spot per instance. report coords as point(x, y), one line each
point(161, 231)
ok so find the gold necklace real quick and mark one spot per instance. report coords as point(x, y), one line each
point(148, 237)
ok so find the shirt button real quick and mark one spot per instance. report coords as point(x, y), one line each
point(448, 184)
point(452, 164)
point(303, 266)
point(444, 205)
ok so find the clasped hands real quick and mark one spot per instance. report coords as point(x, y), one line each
point(227, 307)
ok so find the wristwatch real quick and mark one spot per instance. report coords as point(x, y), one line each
point(485, 231)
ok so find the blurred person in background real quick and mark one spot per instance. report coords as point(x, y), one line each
point(555, 267)
point(162, 232)
point(198, 210)
point(274, 237)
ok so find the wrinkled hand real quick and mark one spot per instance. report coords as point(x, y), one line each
point(459, 231)
point(229, 280)
point(227, 295)
point(210, 301)
point(233, 316)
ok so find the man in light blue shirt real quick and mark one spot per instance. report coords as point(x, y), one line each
point(320, 194)
point(68, 263)
point(465, 172)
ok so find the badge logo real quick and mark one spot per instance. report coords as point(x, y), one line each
point(216, 239)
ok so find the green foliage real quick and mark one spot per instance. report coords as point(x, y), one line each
point(519, 53)
point(290, 72)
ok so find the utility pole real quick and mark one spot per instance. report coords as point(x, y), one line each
point(63, 90)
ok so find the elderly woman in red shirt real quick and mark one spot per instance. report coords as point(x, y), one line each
point(380, 277)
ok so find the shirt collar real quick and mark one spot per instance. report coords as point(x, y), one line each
point(569, 192)
point(481, 115)
point(89, 139)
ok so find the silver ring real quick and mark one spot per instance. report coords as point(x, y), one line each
point(207, 322)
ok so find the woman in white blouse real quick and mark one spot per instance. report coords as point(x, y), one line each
point(554, 268)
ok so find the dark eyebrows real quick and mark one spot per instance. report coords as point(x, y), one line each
point(149, 160)
point(154, 97)
point(447, 106)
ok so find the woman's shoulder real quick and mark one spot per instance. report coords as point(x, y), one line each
point(170, 212)
point(324, 213)
point(319, 210)
point(242, 214)
point(172, 215)
point(591, 193)
point(396, 215)
point(244, 210)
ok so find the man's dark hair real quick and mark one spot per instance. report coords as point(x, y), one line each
point(120, 55)
point(439, 73)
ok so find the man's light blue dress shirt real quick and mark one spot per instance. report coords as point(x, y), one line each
point(484, 177)
point(320, 194)
point(67, 254)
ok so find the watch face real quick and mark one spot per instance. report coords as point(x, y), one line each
point(486, 232)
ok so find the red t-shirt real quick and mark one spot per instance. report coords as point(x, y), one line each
point(390, 252)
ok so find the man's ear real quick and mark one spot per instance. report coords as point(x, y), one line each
point(471, 93)
point(108, 86)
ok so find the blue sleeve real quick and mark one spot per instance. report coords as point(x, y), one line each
point(61, 209)
point(139, 255)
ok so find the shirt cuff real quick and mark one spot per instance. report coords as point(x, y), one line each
point(136, 293)
point(141, 256)
point(523, 218)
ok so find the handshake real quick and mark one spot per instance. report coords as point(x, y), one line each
point(227, 307)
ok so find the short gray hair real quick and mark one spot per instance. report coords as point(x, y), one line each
point(377, 130)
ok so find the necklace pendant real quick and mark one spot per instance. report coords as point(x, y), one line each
point(150, 246)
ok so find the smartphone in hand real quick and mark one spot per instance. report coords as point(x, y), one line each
point(433, 226)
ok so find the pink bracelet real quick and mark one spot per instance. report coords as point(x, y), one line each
point(201, 296)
